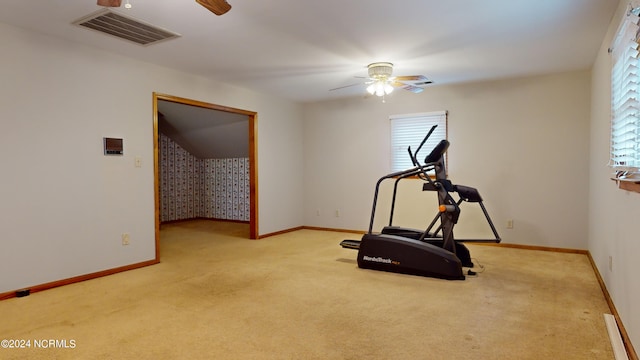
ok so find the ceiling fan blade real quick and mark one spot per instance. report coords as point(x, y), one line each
point(217, 7)
point(110, 3)
point(411, 78)
point(380, 74)
point(413, 89)
point(346, 86)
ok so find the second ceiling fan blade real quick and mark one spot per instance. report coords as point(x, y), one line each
point(217, 7)
point(110, 3)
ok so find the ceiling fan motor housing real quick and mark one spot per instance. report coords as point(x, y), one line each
point(380, 70)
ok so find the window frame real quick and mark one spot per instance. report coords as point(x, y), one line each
point(624, 137)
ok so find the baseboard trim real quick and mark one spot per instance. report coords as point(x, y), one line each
point(76, 279)
point(280, 232)
point(361, 232)
point(311, 228)
point(631, 352)
point(536, 247)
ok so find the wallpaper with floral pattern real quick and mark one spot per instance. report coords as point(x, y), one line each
point(201, 188)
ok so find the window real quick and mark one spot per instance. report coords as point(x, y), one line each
point(409, 130)
point(625, 99)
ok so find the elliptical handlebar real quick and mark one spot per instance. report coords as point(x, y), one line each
point(437, 152)
point(425, 168)
point(414, 156)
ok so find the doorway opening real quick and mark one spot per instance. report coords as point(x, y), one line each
point(222, 112)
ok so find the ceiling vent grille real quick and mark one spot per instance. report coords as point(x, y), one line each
point(125, 27)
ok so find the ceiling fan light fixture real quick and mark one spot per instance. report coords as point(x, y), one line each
point(380, 88)
point(380, 70)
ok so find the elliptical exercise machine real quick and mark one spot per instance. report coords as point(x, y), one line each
point(418, 252)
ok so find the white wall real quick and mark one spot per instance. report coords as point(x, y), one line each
point(523, 143)
point(63, 205)
point(613, 213)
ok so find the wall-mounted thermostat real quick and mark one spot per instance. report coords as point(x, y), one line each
point(112, 146)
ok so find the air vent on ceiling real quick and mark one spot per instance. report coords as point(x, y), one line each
point(125, 27)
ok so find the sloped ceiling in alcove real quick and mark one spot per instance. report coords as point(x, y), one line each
point(203, 132)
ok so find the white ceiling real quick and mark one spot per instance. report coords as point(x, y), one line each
point(299, 49)
point(203, 132)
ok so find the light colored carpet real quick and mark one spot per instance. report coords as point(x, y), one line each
point(216, 295)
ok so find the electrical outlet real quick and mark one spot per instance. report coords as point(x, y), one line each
point(510, 224)
point(318, 212)
point(125, 239)
point(337, 213)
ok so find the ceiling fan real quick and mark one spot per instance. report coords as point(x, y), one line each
point(381, 83)
point(217, 7)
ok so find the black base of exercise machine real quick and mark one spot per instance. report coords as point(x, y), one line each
point(408, 256)
point(462, 252)
point(419, 252)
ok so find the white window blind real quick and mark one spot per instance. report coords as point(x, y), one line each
point(625, 99)
point(409, 130)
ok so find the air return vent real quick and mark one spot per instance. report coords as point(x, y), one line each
point(125, 27)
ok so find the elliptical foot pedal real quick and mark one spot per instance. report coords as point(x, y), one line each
point(350, 244)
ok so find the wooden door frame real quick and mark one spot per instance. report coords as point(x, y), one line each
point(253, 159)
